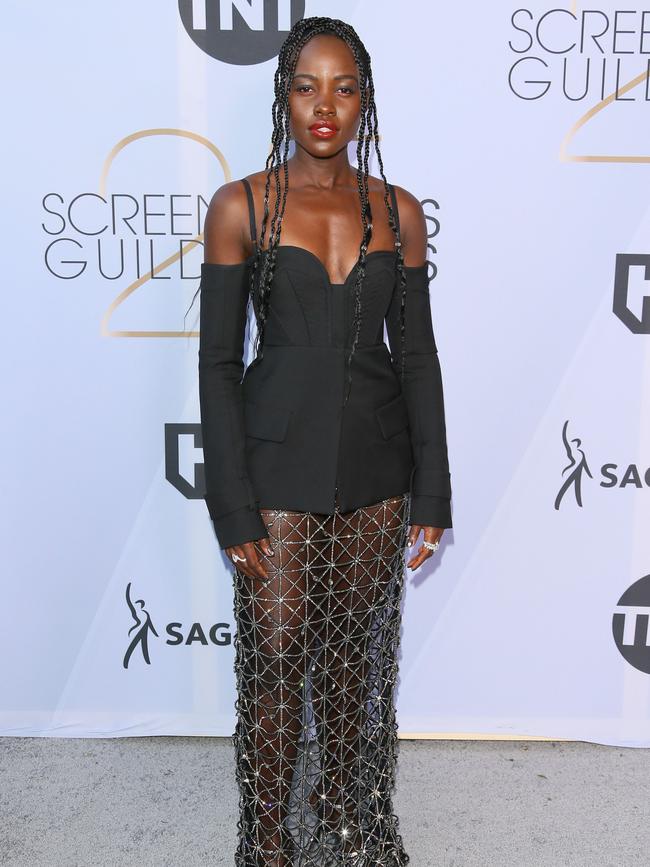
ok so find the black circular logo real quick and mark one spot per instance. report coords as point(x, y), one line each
point(631, 624)
point(241, 32)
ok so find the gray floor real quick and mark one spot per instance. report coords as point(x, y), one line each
point(172, 801)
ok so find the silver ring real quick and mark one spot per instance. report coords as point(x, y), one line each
point(431, 546)
point(237, 559)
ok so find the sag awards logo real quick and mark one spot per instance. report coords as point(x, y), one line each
point(631, 624)
point(143, 628)
point(577, 469)
point(590, 54)
point(241, 32)
point(136, 243)
point(121, 236)
point(631, 281)
point(142, 248)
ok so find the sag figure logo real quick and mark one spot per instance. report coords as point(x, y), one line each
point(142, 626)
point(175, 634)
point(610, 476)
point(575, 468)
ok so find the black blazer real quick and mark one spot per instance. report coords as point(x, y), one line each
point(284, 436)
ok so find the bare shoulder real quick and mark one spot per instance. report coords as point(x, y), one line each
point(257, 180)
point(413, 226)
point(225, 231)
point(410, 207)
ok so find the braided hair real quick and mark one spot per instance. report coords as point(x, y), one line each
point(301, 32)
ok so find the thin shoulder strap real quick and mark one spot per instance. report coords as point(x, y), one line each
point(391, 189)
point(251, 210)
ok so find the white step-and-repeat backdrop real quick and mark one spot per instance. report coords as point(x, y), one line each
point(524, 132)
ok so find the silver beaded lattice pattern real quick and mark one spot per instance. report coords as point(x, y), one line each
point(316, 665)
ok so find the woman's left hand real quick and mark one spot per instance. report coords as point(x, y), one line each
point(431, 534)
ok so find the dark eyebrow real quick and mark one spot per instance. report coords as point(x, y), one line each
point(314, 77)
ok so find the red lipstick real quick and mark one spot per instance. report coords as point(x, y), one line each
point(323, 129)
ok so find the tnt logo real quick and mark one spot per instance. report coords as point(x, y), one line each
point(241, 32)
point(630, 624)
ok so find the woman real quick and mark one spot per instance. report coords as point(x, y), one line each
point(317, 462)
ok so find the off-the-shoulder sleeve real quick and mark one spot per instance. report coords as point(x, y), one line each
point(423, 391)
point(229, 496)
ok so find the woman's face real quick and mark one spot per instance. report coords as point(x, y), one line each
point(324, 98)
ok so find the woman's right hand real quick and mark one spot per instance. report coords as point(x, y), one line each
point(251, 564)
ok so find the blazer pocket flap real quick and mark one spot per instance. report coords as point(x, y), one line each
point(266, 421)
point(393, 416)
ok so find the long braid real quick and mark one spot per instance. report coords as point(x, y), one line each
point(299, 35)
point(398, 243)
point(363, 157)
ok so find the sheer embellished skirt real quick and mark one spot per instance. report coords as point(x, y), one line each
point(316, 666)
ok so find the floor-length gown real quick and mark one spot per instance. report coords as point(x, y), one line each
point(316, 643)
point(316, 664)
